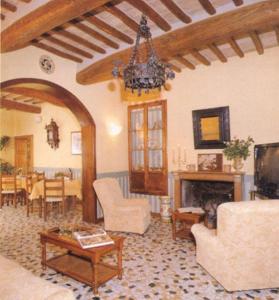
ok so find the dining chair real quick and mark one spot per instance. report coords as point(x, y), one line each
point(28, 190)
point(54, 194)
point(10, 189)
point(38, 175)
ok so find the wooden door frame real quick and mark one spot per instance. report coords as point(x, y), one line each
point(31, 141)
point(88, 134)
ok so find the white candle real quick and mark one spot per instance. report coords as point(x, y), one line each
point(179, 152)
point(173, 156)
point(184, 155)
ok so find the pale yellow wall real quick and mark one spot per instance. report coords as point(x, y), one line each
point(249, 86)
point(103, 103)
point(7, 128)
point(34, 124)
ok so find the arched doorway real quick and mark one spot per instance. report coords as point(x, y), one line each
point(54, 93)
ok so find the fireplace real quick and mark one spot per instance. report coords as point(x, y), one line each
point(208, 195)
point(230, 184)
point(197, 193)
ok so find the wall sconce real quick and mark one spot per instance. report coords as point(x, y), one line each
point(114, 129)
point(52, 134)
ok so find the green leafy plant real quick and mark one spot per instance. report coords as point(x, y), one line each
point(4, 139)
point(6, 167)
point(238, 148)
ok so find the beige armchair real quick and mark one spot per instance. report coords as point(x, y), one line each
point(243, 253)
point(129, 215)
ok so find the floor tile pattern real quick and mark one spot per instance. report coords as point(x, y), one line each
point(155, 266)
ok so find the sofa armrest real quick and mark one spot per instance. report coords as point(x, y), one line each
point(207, 239)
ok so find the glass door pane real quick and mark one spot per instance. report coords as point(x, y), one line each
point(155, 138)
point(137, 139)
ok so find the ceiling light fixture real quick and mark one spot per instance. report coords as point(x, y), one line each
point(139, 75)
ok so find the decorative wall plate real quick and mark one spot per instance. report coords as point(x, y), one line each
point(46, 64)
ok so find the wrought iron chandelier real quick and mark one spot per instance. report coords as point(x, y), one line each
point(139, 75)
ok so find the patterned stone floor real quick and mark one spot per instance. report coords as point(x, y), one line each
point(155, 267)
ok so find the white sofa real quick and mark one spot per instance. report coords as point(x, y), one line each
point(17, 283)
point(120, 214)
point(243, 253)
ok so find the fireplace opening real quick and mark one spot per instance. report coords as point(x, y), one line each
point(208, 195)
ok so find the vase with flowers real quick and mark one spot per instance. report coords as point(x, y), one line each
point(238, 150)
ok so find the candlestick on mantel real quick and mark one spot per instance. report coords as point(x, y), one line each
point(179, 161)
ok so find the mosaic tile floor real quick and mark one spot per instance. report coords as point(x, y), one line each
point(155, 267)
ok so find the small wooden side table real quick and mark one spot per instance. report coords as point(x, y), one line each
point(187, 220)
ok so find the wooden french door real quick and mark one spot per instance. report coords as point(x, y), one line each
point(24, 153)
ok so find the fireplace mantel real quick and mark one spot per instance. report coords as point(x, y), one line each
point(236, 178)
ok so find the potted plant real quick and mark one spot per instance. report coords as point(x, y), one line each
point(236, 150)
point(4, 139)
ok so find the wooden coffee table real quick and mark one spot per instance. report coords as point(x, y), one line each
point(186, 220)
point(82, 264)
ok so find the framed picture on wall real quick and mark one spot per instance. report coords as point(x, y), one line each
point(211, 127)
point(76, 142)
point(210, 162)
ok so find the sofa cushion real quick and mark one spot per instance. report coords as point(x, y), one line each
point(17, 283)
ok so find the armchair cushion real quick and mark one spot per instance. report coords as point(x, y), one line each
point(120, 214)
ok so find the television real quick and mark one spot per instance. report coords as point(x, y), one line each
point(266, 176)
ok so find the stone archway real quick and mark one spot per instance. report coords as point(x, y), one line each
point(52, 92)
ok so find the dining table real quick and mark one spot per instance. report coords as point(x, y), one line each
point(72, 188)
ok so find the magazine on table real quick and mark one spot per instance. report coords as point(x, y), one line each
point(95, 241)
point(197, 210)
point(90, 232)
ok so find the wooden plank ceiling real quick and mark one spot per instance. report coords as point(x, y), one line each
point(196, 32)
point(11, 101)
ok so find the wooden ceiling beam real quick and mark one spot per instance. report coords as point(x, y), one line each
point(217, 28)
point(177, 11)
point(235, 47)
point(237, 2)
point(199, 57)
point(185, 62)
point(108, 29)
point(150, 13)
point(55, 51)
point(8, 6)
point(174, 68)
point(93, 33)
point(208, 7)
point(35, 94)
point(276, 29)
point(115, 11)
point(67, 46)
point(2, 16)
point(44, 19)
point(18, 98)
point(219, 54)
point(25, 1)
point(8, 104)
point(29, 100)
point(257, 42)
point(77, 39)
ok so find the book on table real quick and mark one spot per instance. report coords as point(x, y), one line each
point(95, 241)
point(90, 232)
point(93, 237)
point(197, 210)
